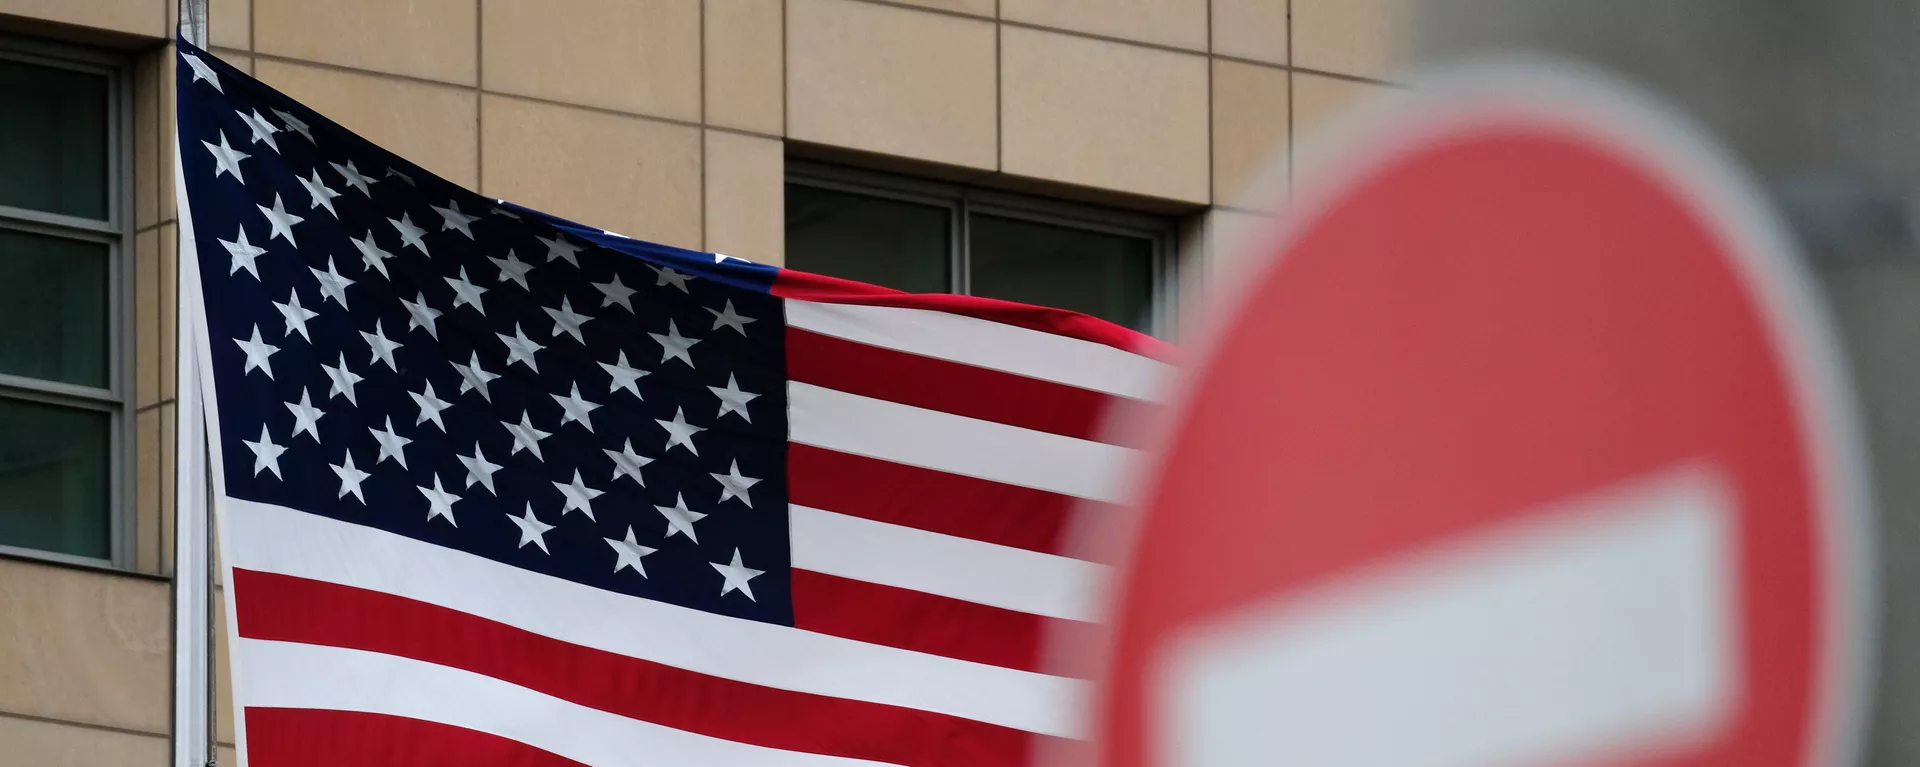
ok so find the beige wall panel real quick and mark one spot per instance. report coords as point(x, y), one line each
point(745, 65)
point(230, 23)
point(1104, 114)
point(1251, 29)
point(165, 176)
point(1249, 135)
point(640, 56)
point(146, 318)
point(431, 125)
point(1231, 237)
point(52, 744)
point(970, 7)
point(146, 490)
point(84, 646)
point(137, 17)
point(222, 671)
point(632, 175)
point(1181, 23)
point(746, 196)
point(891, 80)
point(169, 307)
point(433, 39)
point(1354, 37)
point(163, 530)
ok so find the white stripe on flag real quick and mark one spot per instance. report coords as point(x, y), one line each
point(933, 563)
point(280, 540)
point(955, 444)
point(292, 675)
point(986, 344)
point(1601, 624)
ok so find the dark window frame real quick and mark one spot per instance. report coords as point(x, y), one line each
point(962, 201)
point(115, 231)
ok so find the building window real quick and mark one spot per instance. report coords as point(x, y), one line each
point(62, 243)
point(936, 238)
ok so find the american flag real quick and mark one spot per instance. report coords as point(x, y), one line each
point(498, 488)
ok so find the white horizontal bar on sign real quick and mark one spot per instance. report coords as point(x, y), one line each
point(276, 539)
point(890, 431)
point(949, 566)
point(306, 676)
point(986, 344)
point(1593, 628)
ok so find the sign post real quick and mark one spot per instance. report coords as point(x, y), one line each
point(1525, 445)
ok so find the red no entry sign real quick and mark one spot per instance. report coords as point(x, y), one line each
point(1524, 447)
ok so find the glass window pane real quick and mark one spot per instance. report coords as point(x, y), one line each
point(1109, 276)
point(876, 240)
point(53, 478)
point(53, 140)
point(53, 308)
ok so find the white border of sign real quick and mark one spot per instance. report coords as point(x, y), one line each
point(1581, 100)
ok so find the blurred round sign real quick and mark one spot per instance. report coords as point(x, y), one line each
point(1524, 443)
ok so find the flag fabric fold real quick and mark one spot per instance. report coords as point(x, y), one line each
point(499, 488)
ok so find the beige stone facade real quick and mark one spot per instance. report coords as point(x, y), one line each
point(669, 120)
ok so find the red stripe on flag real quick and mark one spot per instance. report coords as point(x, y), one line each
point(306, 737)
point(286, 608)
point(924, 499)
point(913, 620)
point(807, 286)
point(949, 387)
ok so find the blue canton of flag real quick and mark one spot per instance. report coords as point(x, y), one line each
point(395, 351)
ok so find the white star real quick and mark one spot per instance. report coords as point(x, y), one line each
point(452, 218)
point(680, 519)
point(512, 268)
point(566, 320)
point(420, 315)
point(503, 212)
point(479, 469)
point(574, 408)
point(579, 497)
point(531, 529)
point(257, 353)
point(675, 346)
point(306, 417)
point(733, 484)
point(732, 399)
point(439, 501)
point(472, 377)
point(202, 72)
point(721, 258)
point(430, 407)
point(624, 377)
point(409, 234)
point(560, 248)
point(322, 197)
point(627, 463)
point(525, 437)
point(520, 348)
point(332, 284)
point(392, 445)
point(736, 575)
point(294, 124)
point(669, 277)
point(342, 378)
point(353, 177)
point(679, 432)
point(266, 455)
point(350, 477)
point(281, 221)
point(371, 254)
point(395, 173)
point(243, 253)
point(295, 315)
point(262, 130)
point(730, 319)
point(627, 553)
point(615, 292)
point(226, 159)
point(465, 292)
point(382, 346)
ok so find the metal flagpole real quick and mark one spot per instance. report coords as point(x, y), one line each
point(193, 713)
